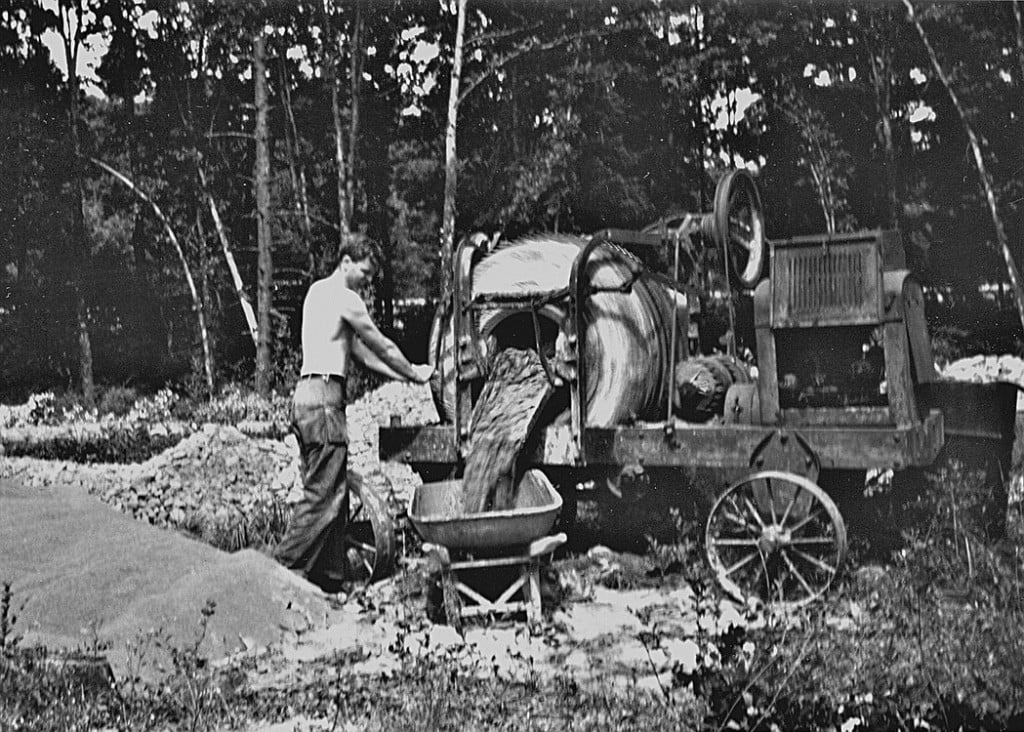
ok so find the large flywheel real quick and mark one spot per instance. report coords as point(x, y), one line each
point(775, 537)
point(737, 225)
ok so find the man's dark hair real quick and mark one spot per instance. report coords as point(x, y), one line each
point(358, 247)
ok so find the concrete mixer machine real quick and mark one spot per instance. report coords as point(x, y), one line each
point(842, 362)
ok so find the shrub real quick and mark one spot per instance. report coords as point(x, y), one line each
point(117, 400)
point(156, 408)
point(234, 405)
point(114, 444)
point(42, 409)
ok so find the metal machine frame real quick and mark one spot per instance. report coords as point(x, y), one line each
point(896, 437)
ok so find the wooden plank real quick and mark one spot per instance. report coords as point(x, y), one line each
point(917, 333)
point(899, 386)
point(768, 367)
point(713, 445)
point(430, 444)
point(833, 416)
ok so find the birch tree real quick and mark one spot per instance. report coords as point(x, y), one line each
point(985, 179)
point(345, 138)
point(197, 302)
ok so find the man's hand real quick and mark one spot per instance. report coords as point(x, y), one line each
point(423, 372)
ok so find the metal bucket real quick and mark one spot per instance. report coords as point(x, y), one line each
point(973, 411)
point(436, 512)
point(979, 421)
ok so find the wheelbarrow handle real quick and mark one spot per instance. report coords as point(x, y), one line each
point(546, 544)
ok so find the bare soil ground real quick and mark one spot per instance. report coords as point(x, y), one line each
point(85, 574)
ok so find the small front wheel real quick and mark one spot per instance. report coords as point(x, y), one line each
point(775, 537)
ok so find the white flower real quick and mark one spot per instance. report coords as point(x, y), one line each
point(684, 653)
point(851, 724)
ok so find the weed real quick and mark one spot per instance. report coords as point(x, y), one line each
point(8, 618)
point(931, 640)
point(192, 694)
point(675, 556)
point(262, 526)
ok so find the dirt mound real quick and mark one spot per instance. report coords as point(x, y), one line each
point(84, 572)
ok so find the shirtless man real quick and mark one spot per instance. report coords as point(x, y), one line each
point(335, 327)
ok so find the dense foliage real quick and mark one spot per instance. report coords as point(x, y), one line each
point(572, 116)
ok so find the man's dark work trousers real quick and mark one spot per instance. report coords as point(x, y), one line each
point(313, 544)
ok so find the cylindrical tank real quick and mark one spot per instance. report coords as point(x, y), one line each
point(627, 337)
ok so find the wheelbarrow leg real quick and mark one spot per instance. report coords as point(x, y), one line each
point(531, 574)
point(440, 570)
point(531, 590)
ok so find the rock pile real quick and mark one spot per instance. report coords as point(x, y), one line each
point(217, 474)
point(220, 475)
point(413, 405)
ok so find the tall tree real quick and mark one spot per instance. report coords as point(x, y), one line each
point(878, 39)
point(823, 156)
point(985, 179)
point(345, 36)
point(265, 266)
point(76, 22)
point(450, 150)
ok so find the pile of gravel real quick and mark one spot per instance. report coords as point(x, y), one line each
point(221, 475)
point(216, 475)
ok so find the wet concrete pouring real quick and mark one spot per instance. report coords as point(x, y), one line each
point(504, 417)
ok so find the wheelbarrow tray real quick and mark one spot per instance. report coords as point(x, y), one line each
point(436, 512)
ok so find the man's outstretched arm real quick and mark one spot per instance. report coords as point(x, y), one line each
point(370, 360)
point(375, 350)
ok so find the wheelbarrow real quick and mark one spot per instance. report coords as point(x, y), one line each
point(483, 542)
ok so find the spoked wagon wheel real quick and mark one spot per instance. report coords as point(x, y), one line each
point(775, 537)
point(370, 535)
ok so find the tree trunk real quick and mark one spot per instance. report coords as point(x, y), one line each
point(205, 298)
point(265, 261)
point(197, 303)
point(450, 155)
point(298, 174)
point(819, 174)
point(1020, 43)
point(236, 277)
point(344, 213)
point(70, 32)
point(882, 83)
point(880, 50)
point(355, 92)
point(979, 162)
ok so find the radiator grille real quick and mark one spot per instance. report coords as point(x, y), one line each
point(818, 285)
